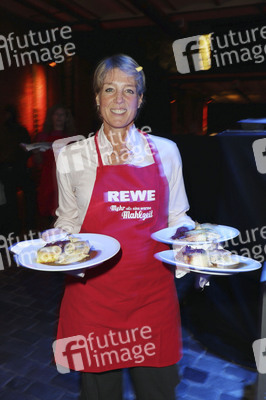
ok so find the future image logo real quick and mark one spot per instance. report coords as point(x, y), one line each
point(210, 50)
point(192, 53)
point(36, 47)
point(71, 353)
point(259, 350)
point(112, 348)
point(259, 150)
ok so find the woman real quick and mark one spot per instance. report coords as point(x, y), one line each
point(131, 185)
point(58, 124)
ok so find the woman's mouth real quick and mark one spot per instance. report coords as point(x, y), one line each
point(118, 110)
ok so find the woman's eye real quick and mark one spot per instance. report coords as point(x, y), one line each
point(130, 91)
point(109, 90)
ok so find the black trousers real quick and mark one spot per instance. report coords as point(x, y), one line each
point(149, 383)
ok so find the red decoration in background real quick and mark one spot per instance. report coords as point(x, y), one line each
point(39, 102)
point(205, 118)
point(32, 107)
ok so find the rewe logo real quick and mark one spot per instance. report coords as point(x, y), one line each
point(192, 53)
point(130, 195)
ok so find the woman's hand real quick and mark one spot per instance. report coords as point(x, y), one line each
point(54, 234)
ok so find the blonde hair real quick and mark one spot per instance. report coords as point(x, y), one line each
point(125, 64)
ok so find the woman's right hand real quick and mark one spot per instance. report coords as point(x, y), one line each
point(54, 234)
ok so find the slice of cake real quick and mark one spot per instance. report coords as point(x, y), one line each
point(196, 256)
point(64, 251)
point(201, 233)
point(222, 258)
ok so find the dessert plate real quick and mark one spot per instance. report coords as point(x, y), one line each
point(245, 264)
point(103, 248)
point(225, 233)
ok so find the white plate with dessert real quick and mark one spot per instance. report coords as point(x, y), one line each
point(202, 234)
point(78, 251)
point(223, 267)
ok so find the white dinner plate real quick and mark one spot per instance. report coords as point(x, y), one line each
point(245, 265)
point(105, 246)
point(165, 235)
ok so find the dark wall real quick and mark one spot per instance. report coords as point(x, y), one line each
point(222, 116)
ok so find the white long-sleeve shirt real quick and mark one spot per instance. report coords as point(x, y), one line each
point(76, 173)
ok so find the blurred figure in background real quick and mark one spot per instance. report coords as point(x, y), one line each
point(2, 208)
point(14, 173)
point(58, 124)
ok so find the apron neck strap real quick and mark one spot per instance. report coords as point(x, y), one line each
point(153, 149)
point(96, 140)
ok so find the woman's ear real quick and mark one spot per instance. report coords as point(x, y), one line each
point(97, 100)
point(140, 100)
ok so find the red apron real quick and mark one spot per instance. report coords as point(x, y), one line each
point(125, 311)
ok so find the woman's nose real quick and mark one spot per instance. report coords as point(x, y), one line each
point(119, 97)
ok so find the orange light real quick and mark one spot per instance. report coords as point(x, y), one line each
point(32, 104)
point(52, 64)
point(172, 101)
point(39, 105)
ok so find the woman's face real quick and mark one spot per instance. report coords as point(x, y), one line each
point(118, 101)
point(59, 119)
